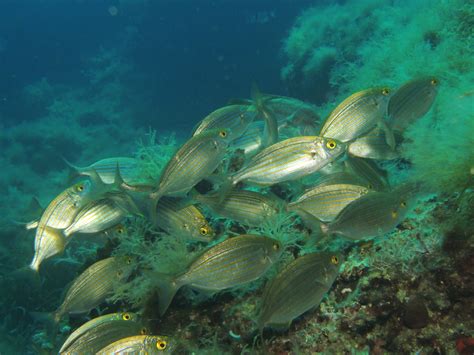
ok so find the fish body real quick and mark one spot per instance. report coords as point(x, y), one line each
point(412, 101)
point(373, 145)
point(59, 215)
point(102, 331)
point(290, 159)
point(106, 169)
point(325, 202)
point(194, 161)
point(252, 141)
point(357, 115)
point(235, 118)
point(371, 215)
point(230, 263)
point(100, 215)
point(247, 207)
point(300, 286)
point(188, 221)
point(94, 285)
point(140, 345)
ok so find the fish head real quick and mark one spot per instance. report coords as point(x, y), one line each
point(129, 317)
point(158, 344)
point(202, 231)
point(274, 249)
point(328, 149)
point(125, 266)
point(381, 97)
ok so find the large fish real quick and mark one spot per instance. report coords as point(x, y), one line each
point(94, 285)
point(247, 207)
point(188, 221)
point(140, 345)
point(290, 159)
point(357, 115)
point(102, 331)
point(300, 286)
point(412, 101)
point(235, 118)
point(230, 263)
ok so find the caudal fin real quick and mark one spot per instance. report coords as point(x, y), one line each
point(166, 287)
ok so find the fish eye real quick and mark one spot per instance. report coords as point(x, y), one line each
point(394, 214)
point(126, 316)
point(119, 273)
point(143, 331)
point(385, 91)
point(276, 246)
point(434, 81)
point(223, 134)
point(204, 231)
point(161, 345)
point(331, 144)
point(120, 230)
point(403, 204)
point(334, 260)
point(129, 260)
point(241, 116)
point(80, 187)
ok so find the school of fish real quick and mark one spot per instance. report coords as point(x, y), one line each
point(243, 150)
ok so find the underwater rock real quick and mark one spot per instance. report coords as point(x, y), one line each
point(415, 313)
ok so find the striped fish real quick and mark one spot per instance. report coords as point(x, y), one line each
point(412, 101)
point(235, 118)
point(141, 345)
point(290, 159)
point(184, 221)
point(325, 202)
point(372, 215)
point(102, 331)
point(357, 115)
point(101, 215)
point(233, 262)
point(106, 169)
point(342, 177)
point(300, 286)
point(94, 285)
point(373, 145)
point(194, 161)
point(247, 207)
point(59, 214)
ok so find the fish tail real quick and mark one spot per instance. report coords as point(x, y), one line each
point(167, 288)
point(324, 228)
point(270, 135)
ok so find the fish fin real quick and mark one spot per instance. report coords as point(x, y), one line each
point(237, 101)
point(389, 137)
point(151, 206)
point(270, 135)
point(59, 239)
point(308, 219)
point(32, 224)
point(74, 171)
point(167, 287)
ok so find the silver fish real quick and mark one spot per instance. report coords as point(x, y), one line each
point(94, 285)
point(371, 215)
point(140, 345)
point(235, 118)
point(247, 207)
point(357, 115)
point(300, 286)
point(373, 145)
point(325, 202)
point(230, 263)
point(412, 101)
point(290, 159)
point(184, 221)
point(102, 331)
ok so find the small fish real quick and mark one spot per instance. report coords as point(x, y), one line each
point(230, 263)
point(185, 221)
point(235, 118)
point(369, 171)
point(101, 215)
point(106, 169)
point(102, 331)
point(325, 202)
point(290, 159)
point(373, 145)
point(300, 286)
point(412, 101)
point(140, 345)
point(357, 115)
point(371, 215)
point(247, 207)
point(194, 161)
point(94, 285)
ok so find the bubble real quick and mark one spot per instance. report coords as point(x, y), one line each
point(113, 10)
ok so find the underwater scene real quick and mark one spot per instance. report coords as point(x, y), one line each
point(237, 177)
